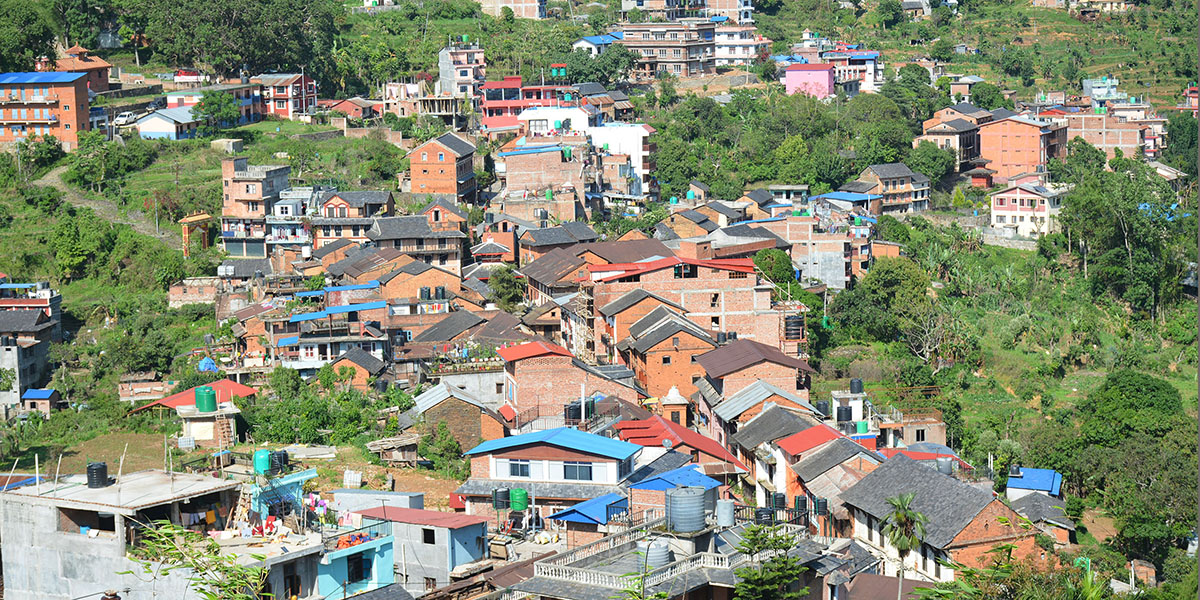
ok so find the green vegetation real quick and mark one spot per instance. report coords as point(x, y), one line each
point(774, 575)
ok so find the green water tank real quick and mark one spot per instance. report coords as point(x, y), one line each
point(863, 427)
point(691, 195)
point(262, 461)
point(589, 408)
point(606, 147)
point(206, 399)
point(567, 153)
point(674, 200)
point(466, 38)
point(518, 499)
point(549, 195)
point(858, 220)
point(567, 97)
point(796, 213)
point(558, 124)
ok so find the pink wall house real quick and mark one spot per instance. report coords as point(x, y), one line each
point(813, 80)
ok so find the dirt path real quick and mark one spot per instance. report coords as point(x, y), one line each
point(139, 222)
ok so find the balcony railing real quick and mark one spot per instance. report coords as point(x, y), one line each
point(333, 538)
point(39, 99)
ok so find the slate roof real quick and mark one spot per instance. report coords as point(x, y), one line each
point(450, 327)
point(967, 108)
point(662, 231)
point(891, 170)
point(415, 267)
point(957, 125)
point(662, 323)
point(454, 144)
point(589, 88)
point(359, 199)
point(331, 247)
point(408, 227)
point(753, 395)
point(770, 425)
point(698, 184)
point(744, 353)
point(761, 196)
point(23, 321)
point(363, 359)
point(490, 247)
point(724, 209)
point(393, 591)
point(568, 233)
point(552, 266)
point(1042, 508)
point(446, 204)
point(832, 454)
point(477, 286)
point(631, 298)
point(370, 261)
point(858, 187)
point(669, 461)
point(440, 392)
point(698, 218)
point(353, 255)
point(626, 251)
point(246, 267)
point(948, 504)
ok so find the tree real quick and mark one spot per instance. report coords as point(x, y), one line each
point(772, 574)
point(1018, 63)
point(217, 110)
point(775, 265)
point(507, 16)
point(440, 448)
point(213, 573)
point(506, 289)
point(931, 161)
point(904, 529)
point(988, 97)
point(609, 67)
point(666, 90)
point(8, 378)
point(24, 36)
point(889, 12)
point(1181, 142)
point(872, 308)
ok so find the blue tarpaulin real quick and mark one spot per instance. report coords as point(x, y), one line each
point(207, 364)
point(682, 477)
point(288, 341)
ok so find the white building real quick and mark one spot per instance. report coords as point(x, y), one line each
point(739, 45)
point(597, 44)
point(632, 139)
point(1028, 208)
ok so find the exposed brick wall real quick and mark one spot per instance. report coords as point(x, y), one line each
point(657, 377)
point(359, 381)
point(465, 421)
point(775, 374)
point(552, 381)
point(409, 286)
point(971, 545)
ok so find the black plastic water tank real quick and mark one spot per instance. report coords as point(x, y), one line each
point(780, 499)
point(856, 386)
point(802, 503)
point(97, 475)
point(793, 327)
point(764, 516)
point(844, 413)
point(500, 498)
point(823, 407)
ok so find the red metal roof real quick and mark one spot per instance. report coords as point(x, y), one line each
point(508, 412)
point(418, 516)
point(651, 433)
point(806, 440)
point(508, 82)
point(530, 350)
point(226, 390)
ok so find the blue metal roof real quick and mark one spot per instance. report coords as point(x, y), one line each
point(686, 476)
point(12, 485)
point(849, 196)
point(720, 19)
point(537, 150)
point(334, 310)
point(563, 437)
point(45, 77)
point(288, 341)
point(308, 316)
point(1042, 480)
point(17, 286)
point(597, 511)
point(311, 294)
point(36, 394)
point(603, 39)
point(372, 284)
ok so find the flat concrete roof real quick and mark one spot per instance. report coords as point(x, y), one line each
point(134, 492)
point(271, 550)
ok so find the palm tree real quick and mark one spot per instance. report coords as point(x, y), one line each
point(904, 529)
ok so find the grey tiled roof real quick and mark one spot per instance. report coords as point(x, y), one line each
point(1040, 507)
point(958, 125)
point(662, 231)
point(363, 359)
point(699, 184)
point(666, 327)
point(948, 504)
point(891, 170)
point(415, 267)
point(724, 209)
point(447, 205)
point(23, 321)
point(967, 108)
point(858, 187)
point(1002, 113)
point(629, 299)
point(393, 591)
point(360, 199)
point(247, 267)
point(477, 286)
point(450, 327)
point(329, 248)
point(770, 425)
point(408, 227)
point(568, 233)
point(753, 395)
point(832, 454)
point(761, 196)
point(552, 266)
point(455, 144)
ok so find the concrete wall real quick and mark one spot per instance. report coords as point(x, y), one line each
point(480, 385)
point(331, 577)
point(352, 500)
point(415, 560)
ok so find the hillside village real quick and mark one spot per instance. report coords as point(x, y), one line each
point(662, 309)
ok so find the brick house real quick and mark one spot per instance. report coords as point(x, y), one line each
point(1105, 131)
point(441, 243)
point(443, 166)
point(552, 275)
point(662, 349)
point(535, 243)
point(349, 215)
point(826, 471)
point(687, 224)
point(248, 194)
point(471, 420)
point(368, 263)
point(756, 443)
point(963, 521)
point(355, 108)
point(40, 104)
point(741, 377)
point(963, 110)
point(78, 59)
point(1019, 144)
point(1047, 515)
point(959, 136)
point(620, 314)
point(417, 280)
point(288, 95)
point(364, 366)
point(902, 190)
point(543, 376)
point(684, 48)
point(557, 467)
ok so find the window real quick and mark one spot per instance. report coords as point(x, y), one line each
point(437, 216)
point(499, 388)
point(424, 156)
point(577, 471)
point(441, 157)
point(427, 536)
point(281, 104)
point(358, 568)
point(518, 468)
point(675, 342)
point(870, 529)
point(920, 435)
point(430, 584)
point(937, 567)
point(714, 300)
point(715, 322)
point(737, 275)
point(675, 417)
point(666, 360)
point(1000, 218)
point(925, 558)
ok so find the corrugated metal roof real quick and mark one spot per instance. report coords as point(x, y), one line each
point(753, 395)
point(417, 516)
point(563, 437)
point(37, 394)
point(45, 77)
point(1042, 480)
point(596, 511)
point(682, 477)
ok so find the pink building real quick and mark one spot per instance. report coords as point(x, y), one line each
point(814, 80)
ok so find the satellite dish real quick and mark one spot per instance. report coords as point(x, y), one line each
point(667, 443)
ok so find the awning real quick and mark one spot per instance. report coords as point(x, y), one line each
point(288, 341)
point(597, 511)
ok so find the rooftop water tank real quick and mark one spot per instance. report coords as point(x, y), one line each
point(823, 407)
point(945, 465)
point(685, 509)
point(658, 554)
point(262, 462)
point(725, 513)
point(206, 399)
point(500, 498)
point(519, 499)
point(863, 427)
point(97, 475)
point(856, 386)
point(844, 413)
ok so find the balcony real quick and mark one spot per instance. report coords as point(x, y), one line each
point(257, 234)
point(39, 99)
point(303, 238)
point(51, 119)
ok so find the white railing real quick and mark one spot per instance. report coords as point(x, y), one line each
point(703, 560)
point(603, 544)
point(578, 575)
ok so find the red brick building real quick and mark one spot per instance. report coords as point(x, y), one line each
point(349, 215)
point(443, 166)
point(662, 349)
point(288, 95)
point(620, 314)
point(78, 59)
point(469, 419)
point(365, 367)
point(38, 104)
point(545, 377)
point(1018, 144)
point(713, 458)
